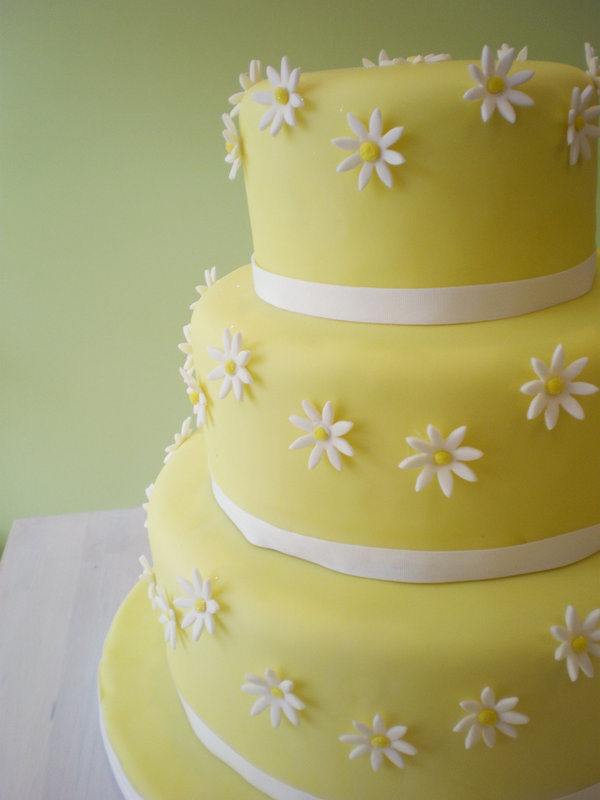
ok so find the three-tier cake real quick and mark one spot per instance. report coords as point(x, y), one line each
point(375, 565)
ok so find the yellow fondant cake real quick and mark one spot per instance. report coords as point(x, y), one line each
point(376, 563)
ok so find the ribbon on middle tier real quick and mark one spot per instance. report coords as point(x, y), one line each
point(430, 306)
point(414, 566)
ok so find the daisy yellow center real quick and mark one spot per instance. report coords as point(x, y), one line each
point(230, 367)
point(229, 147)
point(276, 692)
point(579, 645)
point(555, 385)
point(579, 123)
point(495, 84)
point(281, 95)
point(369, 151)
point(320, 434)
point(194, 398)
point(380, 740)
point(200, 605)
point(487, 716)
point(442, 458)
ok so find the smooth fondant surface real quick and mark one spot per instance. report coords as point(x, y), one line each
point(392, 382)
point(356, 647)
point(473, 202)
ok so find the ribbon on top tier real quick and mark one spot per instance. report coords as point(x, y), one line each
point(414, 566)
point(435, 306)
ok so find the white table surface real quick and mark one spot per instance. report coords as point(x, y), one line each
point(62, 579)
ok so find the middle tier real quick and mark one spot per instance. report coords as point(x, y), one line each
point(489, 485)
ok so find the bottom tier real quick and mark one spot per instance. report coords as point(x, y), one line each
point(396, 667)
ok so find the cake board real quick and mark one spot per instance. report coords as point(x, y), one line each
point(151, 748)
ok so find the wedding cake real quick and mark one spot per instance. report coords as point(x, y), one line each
point(375, 543)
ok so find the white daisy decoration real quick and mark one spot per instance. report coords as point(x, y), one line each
point(149, 490)
point(233, 145)
point(383, 61)
point(167, 617)
point(232, 365)
point(180, 438)
point(210, 278)
point(148, 576)
point(578, 641)
point(379, 742)
point(555, 388)
point(487, 716)
point(274, 694)
point(593, 66)
point(522, 55)
point(496, 88)
point(371, 150)
point(430, 58)
point(323, 434)
point(282, 99)
point(247, 81)
point(201, 607)
point(196, 396)
point(581, 127)
point(386, 61)
point(186, 348)
point(442, 458)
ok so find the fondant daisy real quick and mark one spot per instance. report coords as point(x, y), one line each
point(232, 367)
point(274, 694)
point(442, 458)
point(555, 388)
point(522, 55)
point(210, 277)
point(488, 716)
point(167, 617)
point(386, 61)
point(578, 641)
point(580, 123)
point(148, 576)
point(282, 99)
point(593, 66)
point(186, 347)
point(149, 490)
point(201, 606)
point(324, 435)
point(196, 396)
point(233, 145)
point(496, 88)
point(379, 742)
point(371, 150)
point(430, 58)
point(383, 61)
point(247, 81)
point(180, 438)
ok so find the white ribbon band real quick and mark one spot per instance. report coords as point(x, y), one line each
point(273, 787)
point(415, 566)
point(269, 785)
point(439, 306)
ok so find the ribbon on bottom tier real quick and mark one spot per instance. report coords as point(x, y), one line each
point(279, 790)
point(415, 566)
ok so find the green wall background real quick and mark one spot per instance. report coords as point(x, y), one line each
point(114, 198)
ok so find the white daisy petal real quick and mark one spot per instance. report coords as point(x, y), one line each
point(364, 175)
point(424, 477)
point(446, 481)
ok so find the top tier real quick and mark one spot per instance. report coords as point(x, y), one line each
point(472, 202)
